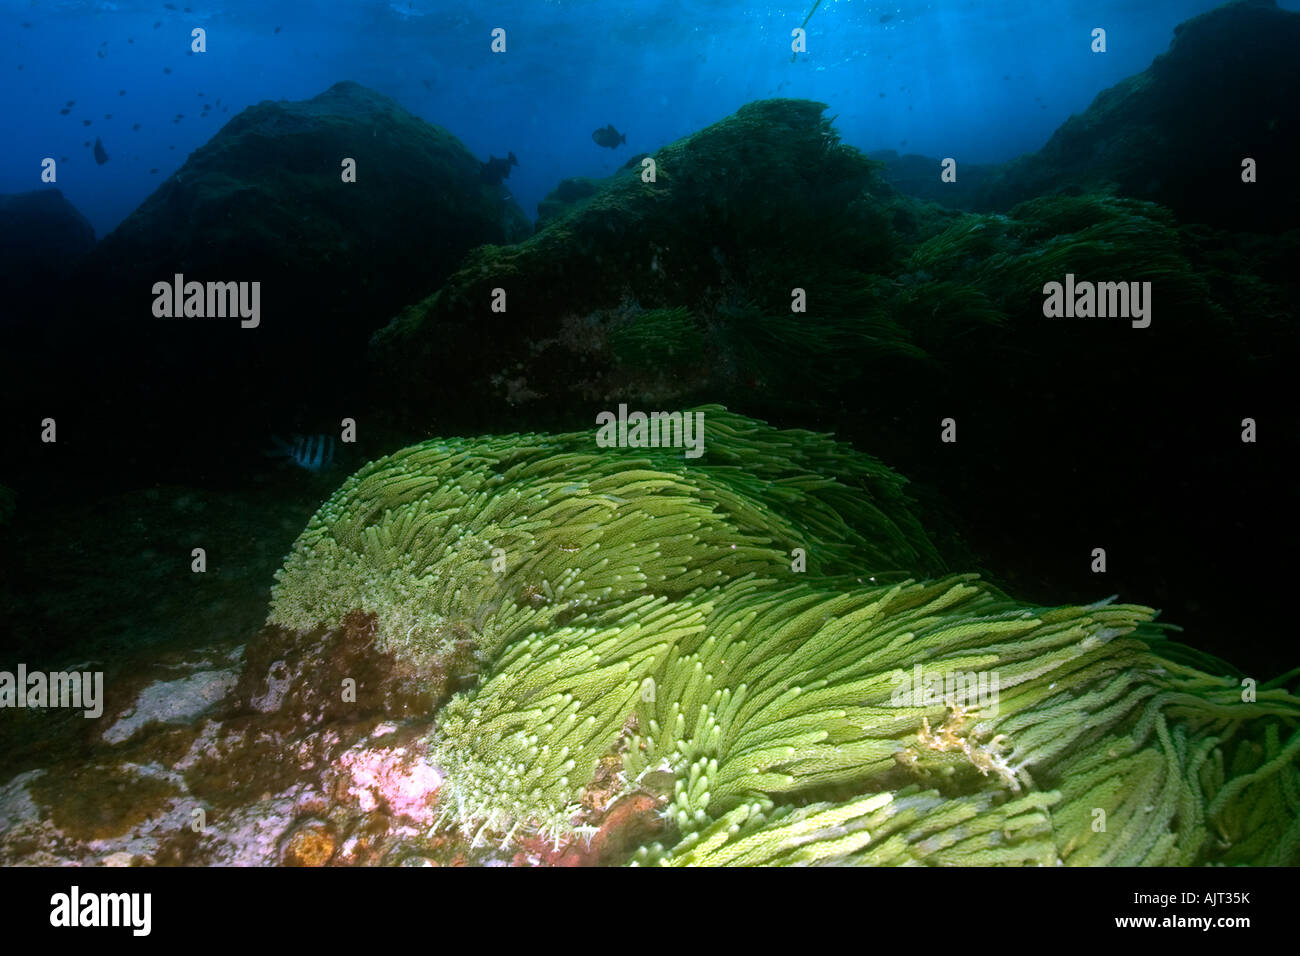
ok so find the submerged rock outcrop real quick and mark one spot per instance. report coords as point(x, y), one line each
point(267, 198)
point(665, 289)
point(267, 205)
point(1179, 132)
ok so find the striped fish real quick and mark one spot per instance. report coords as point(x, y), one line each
point(312, 452)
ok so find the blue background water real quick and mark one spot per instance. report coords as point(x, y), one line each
point(981, 80)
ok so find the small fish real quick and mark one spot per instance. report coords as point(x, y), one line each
point(277, 29)
point(154, 170)
point(71, 103)
point(108, 116)
point(609, 137)
point(121, 92)
point(63, 159)
point(886, 17)
point(136, 126)
point(167, 69)
point(100, 54)
point(65, 111)
point(169, 6)
point(101, 157)
point(200, 93)
point(85, 122)
point(312, 452)
point(157, 25)
point(495, 170)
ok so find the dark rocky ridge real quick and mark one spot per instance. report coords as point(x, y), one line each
point(262, 201)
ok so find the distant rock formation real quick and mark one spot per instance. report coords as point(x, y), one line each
point(1177, 133)
point(266, 201)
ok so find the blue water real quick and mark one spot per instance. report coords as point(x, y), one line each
point(981, 80)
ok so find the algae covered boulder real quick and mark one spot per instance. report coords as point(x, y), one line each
point(706, 245)
point(756, 657)
point(268, 198)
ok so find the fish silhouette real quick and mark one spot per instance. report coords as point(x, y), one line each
point(101, 157)
point(609, 137)
point(495, 170)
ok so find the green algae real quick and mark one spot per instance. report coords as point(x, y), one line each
point(646, 610)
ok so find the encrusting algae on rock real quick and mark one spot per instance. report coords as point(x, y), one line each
point(641, 634)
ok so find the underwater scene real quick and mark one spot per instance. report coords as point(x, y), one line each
point(676, 433)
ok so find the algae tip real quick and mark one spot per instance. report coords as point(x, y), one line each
point(795, 56)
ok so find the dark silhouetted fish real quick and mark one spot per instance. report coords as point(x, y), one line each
point(65, 111)
point(121, 92)
point(886, 17)
point(101, 157)
point(167, 69)
point(495, 170)
point(609, 137)
point(71, 103)
point(154, 170)
point(136, 126)
point(85, 122)
point(313, 452)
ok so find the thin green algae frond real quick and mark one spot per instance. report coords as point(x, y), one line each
point(643, 608)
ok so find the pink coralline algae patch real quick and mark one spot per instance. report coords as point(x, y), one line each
point(397, 781)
